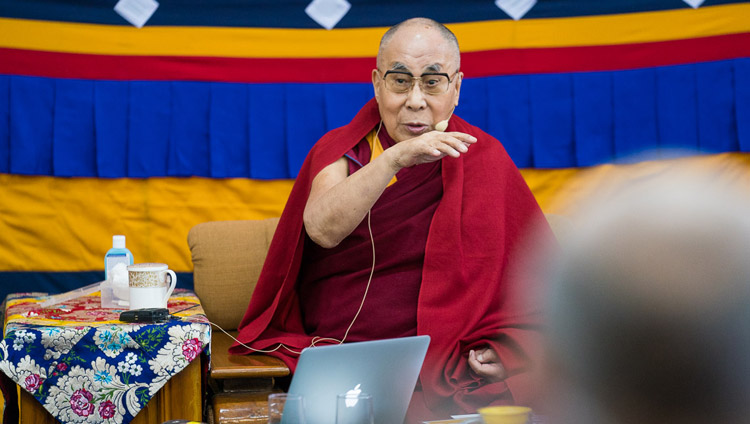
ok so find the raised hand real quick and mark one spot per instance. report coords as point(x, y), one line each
point(430, 147)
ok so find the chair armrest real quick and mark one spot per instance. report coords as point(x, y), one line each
point(226, 366)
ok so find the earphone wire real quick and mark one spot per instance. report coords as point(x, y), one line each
point(318, 339)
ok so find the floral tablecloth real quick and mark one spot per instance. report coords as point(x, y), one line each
point(86, 366)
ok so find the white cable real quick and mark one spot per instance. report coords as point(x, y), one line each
point(317, 339)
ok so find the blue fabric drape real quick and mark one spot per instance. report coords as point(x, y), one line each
point(342, 101)
point(263, 131)
point(509, 116)
point(31, 112)
point(716, 117)
point(111, 110)
point(552, 120)
point(742, 88)
point(593, 118)
point(267, 124)
point(229, 147)
point(306, 120)
point(149, 123)
point(188, 129)
point(676, 91)
point(634, 111)
point(477, 90)
point(4, 124)
point(73, 147)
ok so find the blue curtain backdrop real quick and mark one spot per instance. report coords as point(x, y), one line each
point(70, 128)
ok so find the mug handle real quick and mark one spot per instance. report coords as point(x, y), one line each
point(172, 284)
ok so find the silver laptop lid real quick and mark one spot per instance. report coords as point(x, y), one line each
point(386, 369)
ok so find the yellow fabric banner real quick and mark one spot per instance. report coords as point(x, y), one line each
point(560, 191)
point(66, 224)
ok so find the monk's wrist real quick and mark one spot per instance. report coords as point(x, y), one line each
point(392, 160)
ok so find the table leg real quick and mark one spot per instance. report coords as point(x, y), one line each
point(179, 399)
point(31, 411)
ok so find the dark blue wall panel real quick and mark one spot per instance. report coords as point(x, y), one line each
point(31, 113)
point(509, 116)
point(73, 142)
point(551, 120)
point(742, 97)
point(593, 118)
point(635, 112)
point(4, 124)
point(188, 132)
point(111, 111)
point(716, 112)
point(677, 107)
point(267, 122)
point(263, 131)
point(228, 131)
point(148, 144)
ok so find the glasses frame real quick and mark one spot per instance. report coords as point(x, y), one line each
point(414, 79)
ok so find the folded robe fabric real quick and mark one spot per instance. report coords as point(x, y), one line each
point(471, 295)
point(374, 297)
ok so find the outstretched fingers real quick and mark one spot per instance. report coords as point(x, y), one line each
point(451, 144)
point(431, 147)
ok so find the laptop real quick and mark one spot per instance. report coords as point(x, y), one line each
point(386, 369)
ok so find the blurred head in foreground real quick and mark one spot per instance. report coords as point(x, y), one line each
point(649, 306)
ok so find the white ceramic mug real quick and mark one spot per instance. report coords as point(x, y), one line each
point(148, 285)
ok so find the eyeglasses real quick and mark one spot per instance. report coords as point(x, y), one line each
point(430, 82)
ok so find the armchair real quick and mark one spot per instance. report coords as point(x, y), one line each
point(227, 259)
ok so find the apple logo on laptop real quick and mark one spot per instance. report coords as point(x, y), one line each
point(351, 396)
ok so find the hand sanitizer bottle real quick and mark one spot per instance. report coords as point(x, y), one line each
point(117, 254)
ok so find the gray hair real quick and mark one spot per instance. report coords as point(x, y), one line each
point(649, 309)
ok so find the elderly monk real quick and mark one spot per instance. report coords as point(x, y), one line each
point(443, 214)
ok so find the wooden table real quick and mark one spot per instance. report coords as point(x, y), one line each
point(76, 361)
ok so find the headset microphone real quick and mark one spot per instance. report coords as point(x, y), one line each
point(443, 125)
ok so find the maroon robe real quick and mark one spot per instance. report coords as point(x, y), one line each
point(470, 295)
point(336, 279)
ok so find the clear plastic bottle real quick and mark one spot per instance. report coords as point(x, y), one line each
point(117, 254)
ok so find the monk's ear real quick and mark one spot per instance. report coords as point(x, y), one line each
point(459, 78)
point(376, 82)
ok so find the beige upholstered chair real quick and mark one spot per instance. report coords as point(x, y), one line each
point(227, 259)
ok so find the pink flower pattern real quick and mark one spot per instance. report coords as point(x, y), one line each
point(33, 382)
point(80, 402)
point(107, 409)
point(191, 348)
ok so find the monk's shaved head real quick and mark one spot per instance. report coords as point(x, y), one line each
point(416, 47)
point(427, 24)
